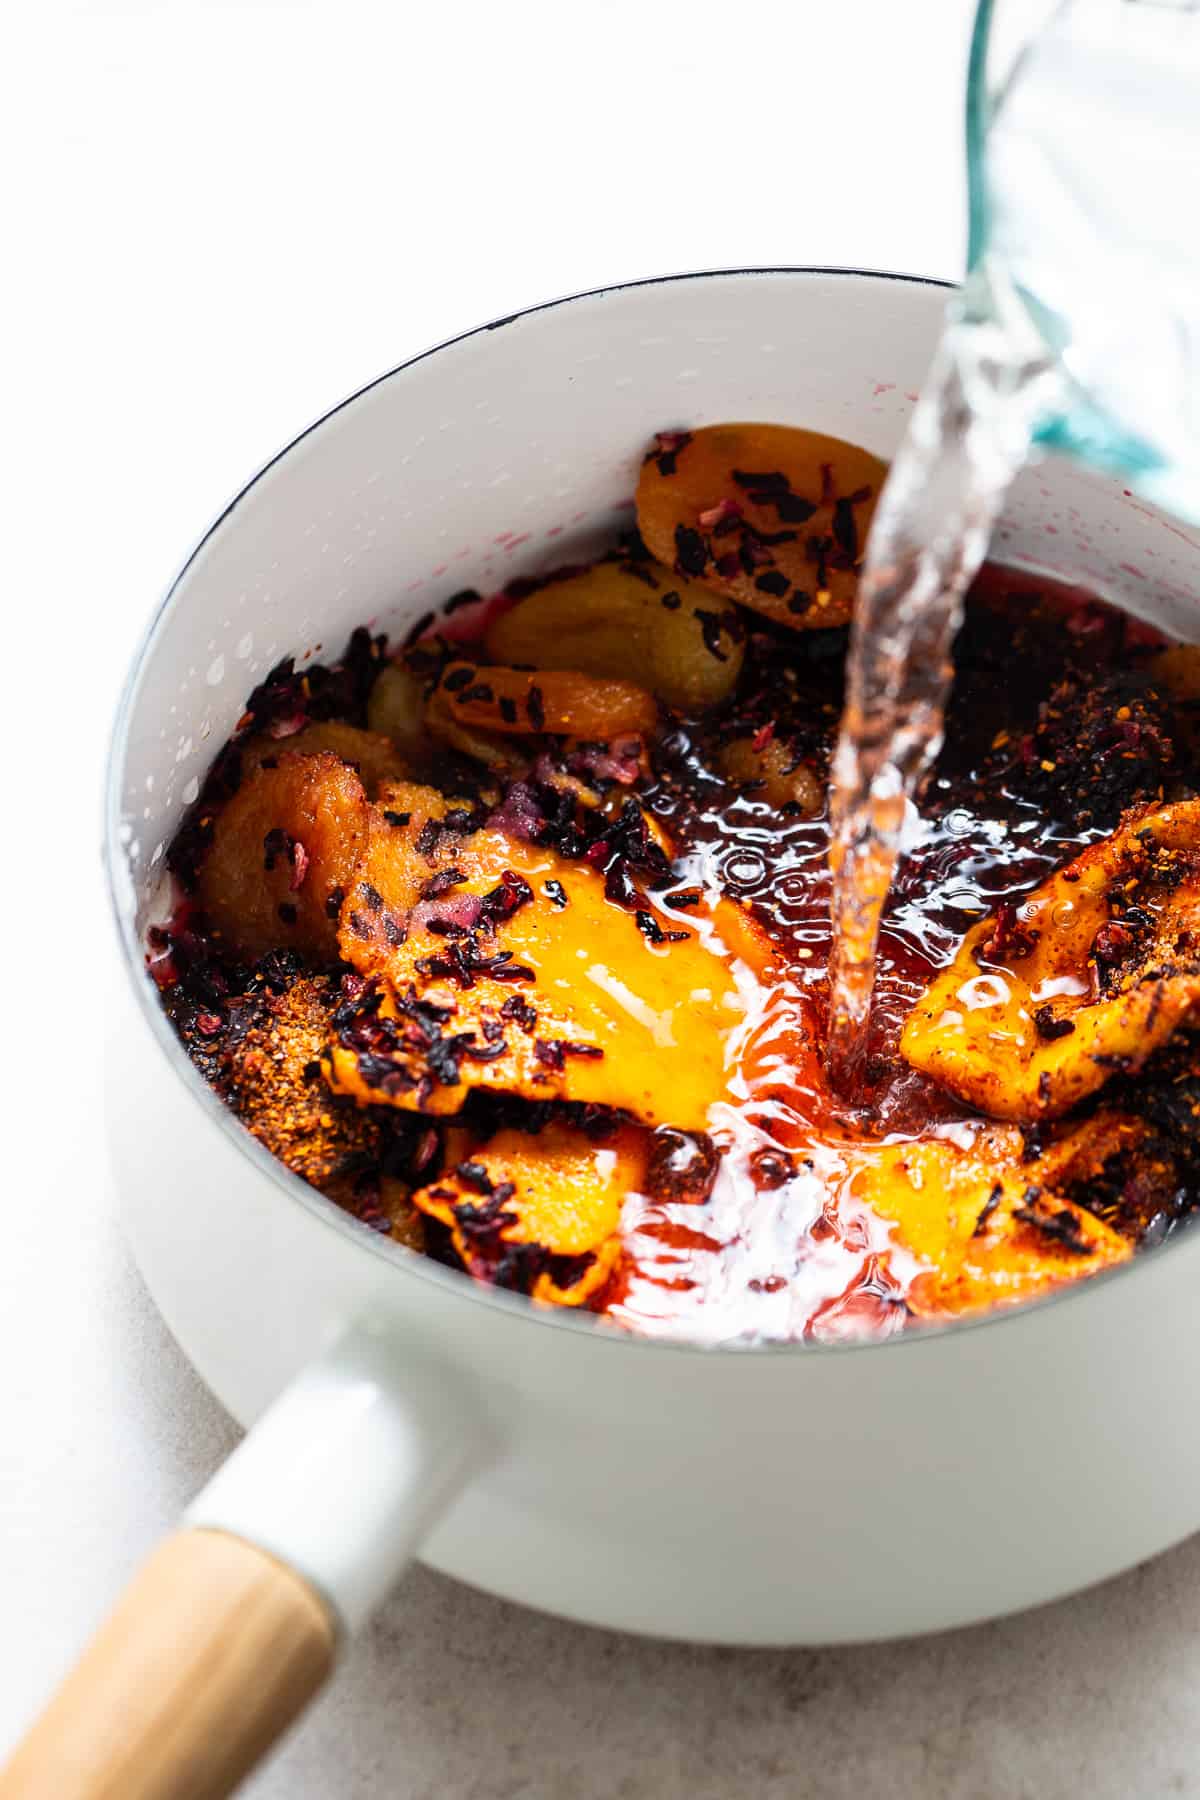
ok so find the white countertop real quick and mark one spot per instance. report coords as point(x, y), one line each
point(229, 216)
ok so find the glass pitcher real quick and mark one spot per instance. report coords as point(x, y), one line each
point(1083, 137)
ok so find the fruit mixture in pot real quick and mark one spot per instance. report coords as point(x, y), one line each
point(512, 939)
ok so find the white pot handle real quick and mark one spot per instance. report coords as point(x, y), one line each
point(233, 1624)
point(343, 1475)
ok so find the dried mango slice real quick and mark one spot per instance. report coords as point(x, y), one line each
point(373, 757)
point(1085, 979)
point(987, 1230)
point(541, 1212)
point(562, 701)
point(768, 515)
point(616, 617)
point(284, 850)
point(511, 969)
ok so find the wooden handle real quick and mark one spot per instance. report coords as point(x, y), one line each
point(209, 1655)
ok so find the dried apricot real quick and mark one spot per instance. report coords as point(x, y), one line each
point(768, 515)
point(622, 616)
point(561, 701)
point(374, 757)
point(284, 851)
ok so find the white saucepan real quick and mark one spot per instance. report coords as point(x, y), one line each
point(737, 1494)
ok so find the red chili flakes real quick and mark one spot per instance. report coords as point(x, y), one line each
point(1006, 939)
point(299, 866)
point(715, 516)
point(288, 726)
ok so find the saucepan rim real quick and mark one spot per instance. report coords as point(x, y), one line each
point(457, 1285)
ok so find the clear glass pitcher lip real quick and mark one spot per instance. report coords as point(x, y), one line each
point(978, 108)
point(1083, 152)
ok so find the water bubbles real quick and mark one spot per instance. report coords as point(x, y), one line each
point(743, 868)
point(792, 889)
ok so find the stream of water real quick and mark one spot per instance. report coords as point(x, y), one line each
point(1077, 323)
point(969, 436)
